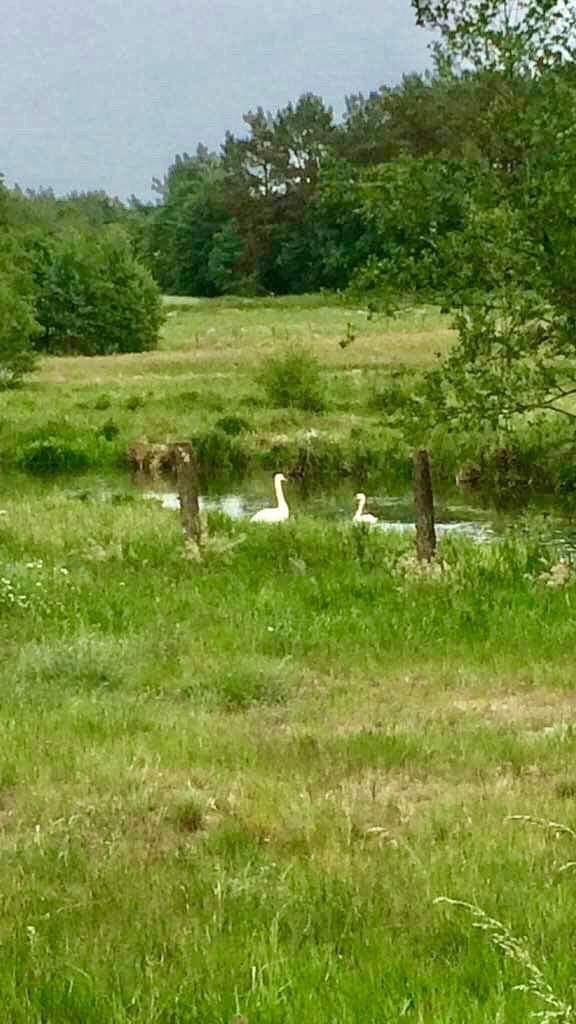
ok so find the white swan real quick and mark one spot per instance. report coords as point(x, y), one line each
point(278, 514)
point(360, 516)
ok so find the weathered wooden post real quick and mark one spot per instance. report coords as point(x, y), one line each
point(187, 480)
point(424, 502)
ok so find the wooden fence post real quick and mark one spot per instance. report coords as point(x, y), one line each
point(424, 502)
point(187, 479)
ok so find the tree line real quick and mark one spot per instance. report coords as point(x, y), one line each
point(458, 185)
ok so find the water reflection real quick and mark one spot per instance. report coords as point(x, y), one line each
point(231, 504)
point(395, 512)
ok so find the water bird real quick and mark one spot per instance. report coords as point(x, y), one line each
point(280, 512)
point(362, 517)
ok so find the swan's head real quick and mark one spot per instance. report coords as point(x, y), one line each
point(280, 478)
point(360, 496)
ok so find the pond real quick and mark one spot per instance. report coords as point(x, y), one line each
point(394, 512)
point(474, 516)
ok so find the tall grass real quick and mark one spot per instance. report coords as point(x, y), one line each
point(234, 790)
point(237, 788)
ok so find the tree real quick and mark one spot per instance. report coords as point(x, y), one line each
point(93, 297)
point(18, 325)
point(225, 255)
point(272, 174)
point(514, 36)
point(18, 328)
point(305, 133)
point(513, 265)
point(411, 207)
point(470, 115)
point(180, 233)
point(187, 172)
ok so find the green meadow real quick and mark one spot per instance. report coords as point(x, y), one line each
point(235, 790)
point(204, 383)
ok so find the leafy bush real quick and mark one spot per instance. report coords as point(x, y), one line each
point(221, 455)
point(93, 297)
point(109, 430)
point(294, 379)
point(52, 455)
point(233, 425)
point(185, 400)
point(102, 402)
point(135, 402)
point(17, 329)
point(18, 325)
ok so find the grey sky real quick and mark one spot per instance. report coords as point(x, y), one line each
point(104, 93)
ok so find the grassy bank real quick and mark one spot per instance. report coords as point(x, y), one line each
point(205, 384)
point(238, 788)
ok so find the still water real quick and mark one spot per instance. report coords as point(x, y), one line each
point(474, 516)
point(477, 519)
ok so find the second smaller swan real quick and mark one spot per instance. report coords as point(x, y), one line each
point(360, 516)
point(278, 514)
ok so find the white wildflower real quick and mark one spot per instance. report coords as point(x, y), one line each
point(558, 575)
point(411, 567)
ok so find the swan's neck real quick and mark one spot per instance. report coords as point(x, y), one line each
point(361, 505)
point(280, 494)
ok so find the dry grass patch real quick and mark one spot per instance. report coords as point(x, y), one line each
point(535, 711)
point(190, 347)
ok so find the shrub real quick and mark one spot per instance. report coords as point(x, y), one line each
point(233, 425)
point(18, 325)
point(294, 379)
point(109, 430)
point(102, 402)
point(17, 328)
point(135, 402)
point(52, 455)
point(219, 454)
point(185, 400)
point(93, 297)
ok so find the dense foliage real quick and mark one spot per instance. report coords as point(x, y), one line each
point(71, 280)
point(93, 297)
point(17, 330)
point(457, 186)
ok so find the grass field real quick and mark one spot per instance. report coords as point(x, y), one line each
point(231, 336)
point(207, 368)
point(238, 788)
point(233, 791)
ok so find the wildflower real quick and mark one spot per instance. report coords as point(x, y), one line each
point(558, 575)
point(409, 566)
point(9, 595)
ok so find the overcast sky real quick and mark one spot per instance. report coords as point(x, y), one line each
point(104, 93)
